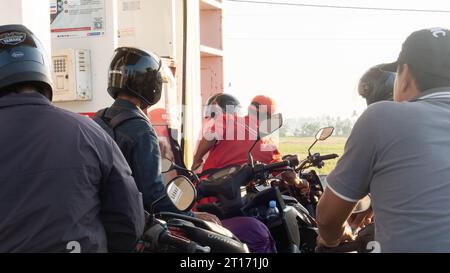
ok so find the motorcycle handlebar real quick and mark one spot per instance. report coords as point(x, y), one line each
point(315, 160)
point(277, 165)
point(327, 157)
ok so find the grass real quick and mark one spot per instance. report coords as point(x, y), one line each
point(300, 145)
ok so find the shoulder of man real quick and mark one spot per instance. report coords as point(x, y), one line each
point(387, 111)
point(136, 131)
point(382, 106)
point(127, 123)
point(81, 122)
point(383, 121)
point(139, 126)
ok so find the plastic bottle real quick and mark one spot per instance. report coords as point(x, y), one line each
point(272, 212)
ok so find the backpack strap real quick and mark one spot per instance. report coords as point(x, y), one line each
point(101, 120)
point(109, 125)
point(100, 115)
point(125, 116)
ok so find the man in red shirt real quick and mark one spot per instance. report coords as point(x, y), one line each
point(228, 137)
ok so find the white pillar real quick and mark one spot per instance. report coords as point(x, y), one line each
point(148, 25)
point(193, 108)
point(34, 14)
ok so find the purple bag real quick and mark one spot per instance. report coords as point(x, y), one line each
point(252, 232)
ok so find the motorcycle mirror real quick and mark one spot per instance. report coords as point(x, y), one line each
point(270, 125)
point(266, 127)
point(166, 165)
point(324, 133)
point(182, 193)
point(321, 135)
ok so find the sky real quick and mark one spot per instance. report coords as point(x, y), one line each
point(310, 59)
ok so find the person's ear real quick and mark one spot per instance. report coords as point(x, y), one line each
point(409, 79)
point(411, 88)
point(402, 83)
point(403, 79)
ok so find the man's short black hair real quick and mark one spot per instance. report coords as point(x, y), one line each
point(19, 88)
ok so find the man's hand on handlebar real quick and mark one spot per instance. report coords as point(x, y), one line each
point(207, 217)
point(292, 178)
point(347, 236)
point(360, 220)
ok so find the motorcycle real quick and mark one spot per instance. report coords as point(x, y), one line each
point(304, 171)
point(295, 230)
point(317, 186)
point(170, 232)
point(226, 183)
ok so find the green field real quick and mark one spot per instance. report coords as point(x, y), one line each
point(300, 145)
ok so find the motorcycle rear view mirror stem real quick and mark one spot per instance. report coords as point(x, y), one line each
point(167, 165)
point(266, 128)
point(322, 135)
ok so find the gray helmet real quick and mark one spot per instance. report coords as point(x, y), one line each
point(23, 60)
point(376, 85)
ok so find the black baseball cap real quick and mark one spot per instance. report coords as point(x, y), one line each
point(426, 50)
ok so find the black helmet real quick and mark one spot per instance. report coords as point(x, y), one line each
point(137, 73)
point(23, 60)
point(228, 104)
point(376, 85)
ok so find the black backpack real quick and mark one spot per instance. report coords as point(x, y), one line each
point(110, 125)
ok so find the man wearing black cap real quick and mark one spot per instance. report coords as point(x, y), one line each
point(64, 184)
point(400, 153)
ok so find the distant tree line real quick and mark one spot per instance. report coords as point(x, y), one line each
point(301, 127)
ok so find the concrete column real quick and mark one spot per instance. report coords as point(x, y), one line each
point(193, 108)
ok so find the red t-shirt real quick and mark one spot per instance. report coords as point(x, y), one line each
point(235, 136)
